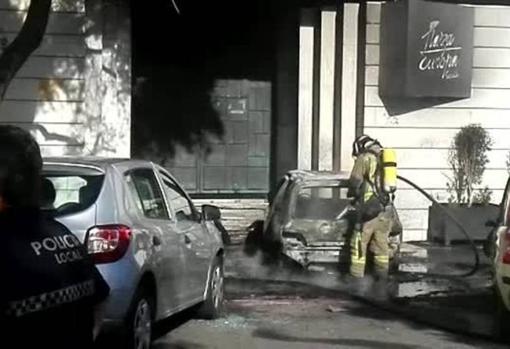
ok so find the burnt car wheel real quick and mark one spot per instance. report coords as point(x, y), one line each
point(253, 241)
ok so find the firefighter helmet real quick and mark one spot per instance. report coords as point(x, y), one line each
point(362, 143)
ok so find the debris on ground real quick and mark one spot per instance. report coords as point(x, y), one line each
point(333, 309)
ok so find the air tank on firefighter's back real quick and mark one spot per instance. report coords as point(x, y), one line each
point(389, 170)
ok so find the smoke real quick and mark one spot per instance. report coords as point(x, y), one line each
point(256, 267)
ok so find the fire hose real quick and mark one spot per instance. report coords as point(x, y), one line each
point(454, 219)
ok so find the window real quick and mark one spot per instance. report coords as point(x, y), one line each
point(320, 202)
point(324, 192)
point(177, 200)
point(67, 192)
point(134, 193)
point(147, 194)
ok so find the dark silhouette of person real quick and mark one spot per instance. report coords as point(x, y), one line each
point(48, 195)
point(50, 288)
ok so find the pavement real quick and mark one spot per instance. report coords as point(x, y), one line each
point(426, 307)
point(287, 314)
point(427, 289)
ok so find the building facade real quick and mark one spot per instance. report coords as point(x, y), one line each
point(420, 129)
point(74, 92)
point(327, 89)
point(292, 91)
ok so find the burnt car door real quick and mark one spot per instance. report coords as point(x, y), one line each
point(276, 210)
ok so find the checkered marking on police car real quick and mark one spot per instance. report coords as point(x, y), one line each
point(51, 299)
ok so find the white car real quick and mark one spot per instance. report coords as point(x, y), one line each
point(501, 258)
point(156, 251)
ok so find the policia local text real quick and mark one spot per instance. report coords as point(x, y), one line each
point(64, 248)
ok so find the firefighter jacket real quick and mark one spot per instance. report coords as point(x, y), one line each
point(363, 177)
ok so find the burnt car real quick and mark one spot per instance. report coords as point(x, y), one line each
point(310, 220)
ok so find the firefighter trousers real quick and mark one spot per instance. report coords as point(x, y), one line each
point(373, 236)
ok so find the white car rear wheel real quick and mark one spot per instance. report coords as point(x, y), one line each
point(140, 321)
point(501, 320)
point(142, 326)
point(212, 306)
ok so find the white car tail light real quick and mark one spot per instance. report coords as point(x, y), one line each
point(108, 243)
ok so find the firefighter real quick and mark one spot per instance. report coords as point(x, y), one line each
point(50, 288)
point(373, 223)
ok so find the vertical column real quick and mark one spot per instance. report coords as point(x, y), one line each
point(285, 121)
point(327, 82)
point(337, 106)
point(349, 85)
point(306, 47)
point(316, 87)
point(360, 79)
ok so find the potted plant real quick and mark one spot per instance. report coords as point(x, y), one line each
point(469, 203)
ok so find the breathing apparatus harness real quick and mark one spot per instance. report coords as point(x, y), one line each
point(384, 183)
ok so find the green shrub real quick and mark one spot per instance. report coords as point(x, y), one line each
point(468, 159)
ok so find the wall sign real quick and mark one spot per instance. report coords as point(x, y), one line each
point(426, 49)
